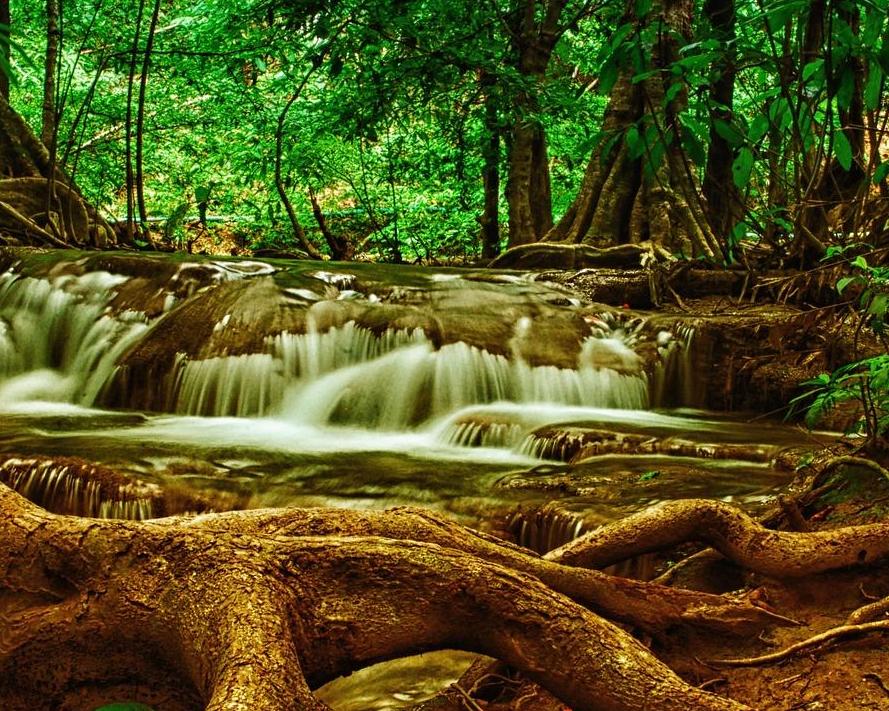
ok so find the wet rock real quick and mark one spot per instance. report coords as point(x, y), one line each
point(556, 255)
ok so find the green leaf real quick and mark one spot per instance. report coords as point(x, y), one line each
point(202, 193)
point(881, 172)
point(845, 281)
point(673, 91)
point(877, 306)
point(872, 86)
point(742, 167)
point(846, 88)
point(812, 68)
point(635, 142)
point(693, 147)
point(648, 476)
point(728, 132)
point(759, 127)
point(779, 14)
point(607, 77)
point(638, 78)
point(842, 149)
point(860, 262)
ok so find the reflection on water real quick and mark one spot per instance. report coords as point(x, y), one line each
point(399, 684)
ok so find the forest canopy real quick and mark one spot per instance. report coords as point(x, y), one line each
point(426, 130)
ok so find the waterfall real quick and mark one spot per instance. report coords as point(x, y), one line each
point(545, 528)
point(58, 339)
point(395, 379)
point(78, 489)
point(675, 381)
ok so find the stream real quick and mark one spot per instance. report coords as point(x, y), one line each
point(504, 401)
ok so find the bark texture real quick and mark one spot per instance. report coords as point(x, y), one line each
point(535, 31)
point(252, 610)
point(620, 200)
point(738, 537)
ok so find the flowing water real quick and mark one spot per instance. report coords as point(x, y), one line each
point(486, 395)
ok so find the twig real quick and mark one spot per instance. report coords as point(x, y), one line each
point(467, 699)
point(710, 683)
point(866, 595)
point(803, 646)
point(878, 680)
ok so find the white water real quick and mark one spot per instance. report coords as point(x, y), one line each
point(384, 414)
point(58, 339)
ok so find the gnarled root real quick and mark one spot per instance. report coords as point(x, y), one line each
point(649, 607)
point(39, 204)
point(734, 534)
point(193, 612)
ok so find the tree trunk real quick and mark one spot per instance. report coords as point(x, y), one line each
point(340, 248)
point(528, 192)
point(828, 184)
point(5, 19)
point(50, 67)
point(652, 194)
point(250, 610)
point(140, 116)
point(298, 232)
point(490, 219)
point(128, 124)
point(719, 186)
point(528, 185)
point(27, 168)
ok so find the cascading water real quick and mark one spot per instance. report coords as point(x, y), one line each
point(357, 404)
point(58, 339)
point(400, 392)
point(674, 383)
point(68, 487)
point(351, 376)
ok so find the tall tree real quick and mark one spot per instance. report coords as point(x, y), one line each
point(5, 54)
point(638, 185)
point(51, 66)
point(719, 187)
point(140, 116)
point(535, 31)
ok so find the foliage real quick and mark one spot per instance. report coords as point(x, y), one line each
point(391, 117)
point(865, 381)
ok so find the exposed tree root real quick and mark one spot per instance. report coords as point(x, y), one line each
point(848, 460)
point(233, 611)
point(806, 645)
point(734, 534)
point(652, 608)
point(39, 205)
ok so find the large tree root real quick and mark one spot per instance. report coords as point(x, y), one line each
point(734, 534)
point(652, 608)
point(235, 612)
